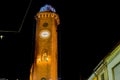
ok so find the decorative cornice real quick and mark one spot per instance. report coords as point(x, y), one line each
point(113, 54)
point(44, 15)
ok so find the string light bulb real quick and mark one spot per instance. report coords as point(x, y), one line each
point(1, 37)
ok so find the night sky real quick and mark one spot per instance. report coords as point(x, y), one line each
point(88, 31)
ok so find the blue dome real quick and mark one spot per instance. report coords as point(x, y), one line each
point(47, 8)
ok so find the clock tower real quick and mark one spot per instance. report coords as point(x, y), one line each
point(45, 54)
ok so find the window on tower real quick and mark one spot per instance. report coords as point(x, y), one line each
point(45, 24)
point(44, 56)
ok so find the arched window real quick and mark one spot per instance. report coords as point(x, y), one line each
point(44, 56)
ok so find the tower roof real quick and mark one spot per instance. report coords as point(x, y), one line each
point(47, 8)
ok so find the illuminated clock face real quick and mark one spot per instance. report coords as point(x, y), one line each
point(44, 34)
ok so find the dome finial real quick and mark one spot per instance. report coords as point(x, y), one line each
point(47, 8)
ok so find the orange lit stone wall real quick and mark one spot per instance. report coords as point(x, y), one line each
point(46, 56)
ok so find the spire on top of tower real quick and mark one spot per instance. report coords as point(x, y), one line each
point(47, 8)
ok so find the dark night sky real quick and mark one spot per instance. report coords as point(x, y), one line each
point(87, 32)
